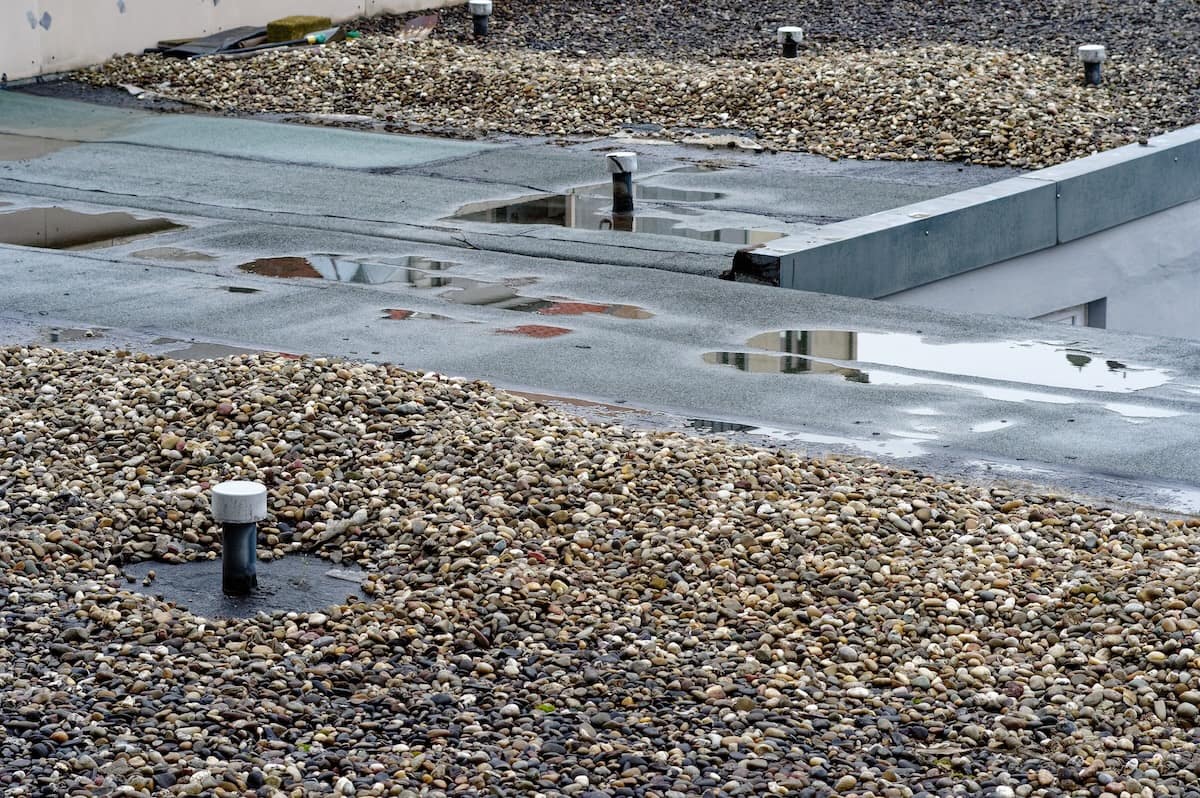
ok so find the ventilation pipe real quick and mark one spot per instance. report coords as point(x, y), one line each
point(238, 506)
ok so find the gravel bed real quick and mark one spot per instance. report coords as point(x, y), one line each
point(696, 28)
point(559, 608)
point(988, 83)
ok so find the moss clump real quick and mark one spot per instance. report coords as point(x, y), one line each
point(290, 28)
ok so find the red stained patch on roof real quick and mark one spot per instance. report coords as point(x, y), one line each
point(572, 309)
point(535, 331)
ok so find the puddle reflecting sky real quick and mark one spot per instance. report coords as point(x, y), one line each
point(424, 273)
point(590, 208)
point(479, 293)
point(207, 351)
point(401, 314)
point(1033, 363)
point(896, 444)
point(60, 228)
point(1134, 412)
point(413, 271)
point(785, 364)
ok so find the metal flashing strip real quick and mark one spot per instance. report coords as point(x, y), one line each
point(886, 253)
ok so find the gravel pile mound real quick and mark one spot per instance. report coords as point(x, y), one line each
point(989, 83)
point(942, 102)
point(558, 607)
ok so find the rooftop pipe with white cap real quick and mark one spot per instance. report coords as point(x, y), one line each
point(238, 506)
point(480, 10)
point(1092, 56)
point(622, 165)
point(790, 38)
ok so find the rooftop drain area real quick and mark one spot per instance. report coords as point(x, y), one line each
point(235, 586)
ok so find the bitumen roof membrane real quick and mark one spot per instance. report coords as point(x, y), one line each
point(540, 307)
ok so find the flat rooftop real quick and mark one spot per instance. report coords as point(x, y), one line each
point(635, 319)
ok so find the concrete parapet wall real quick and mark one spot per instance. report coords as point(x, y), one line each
point(1121, 185)
point(881, 254)
point(42, 37)
point(1145, 271)
point(898, 250)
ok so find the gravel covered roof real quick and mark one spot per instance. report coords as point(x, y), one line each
point(990, 83)
point(555, 607)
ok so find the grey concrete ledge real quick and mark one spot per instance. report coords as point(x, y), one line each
point(885, 253)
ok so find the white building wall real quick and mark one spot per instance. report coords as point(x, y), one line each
point(1148, 270)
point(40, 37)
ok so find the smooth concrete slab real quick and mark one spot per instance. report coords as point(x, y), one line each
point(222, 182)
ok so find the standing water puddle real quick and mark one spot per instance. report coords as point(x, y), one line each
point(479, 293)
point(1033, 363)
point(590, 208)
point(281, 267)
point(411, 271)
point(402, 314)
point(423, 273)
point(900, 444)
point(59, 228)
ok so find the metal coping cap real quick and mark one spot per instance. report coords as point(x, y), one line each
point(239, 502)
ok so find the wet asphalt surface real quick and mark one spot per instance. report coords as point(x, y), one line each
point(248, 190)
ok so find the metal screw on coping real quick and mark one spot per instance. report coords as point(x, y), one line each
point(480, 11)
point(238, 506)
point(790, 38)
point(1092, 56)
point(622, 165)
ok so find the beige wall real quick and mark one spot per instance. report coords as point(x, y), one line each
point(40, 37)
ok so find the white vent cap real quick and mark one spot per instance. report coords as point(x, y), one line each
point(239, 502)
